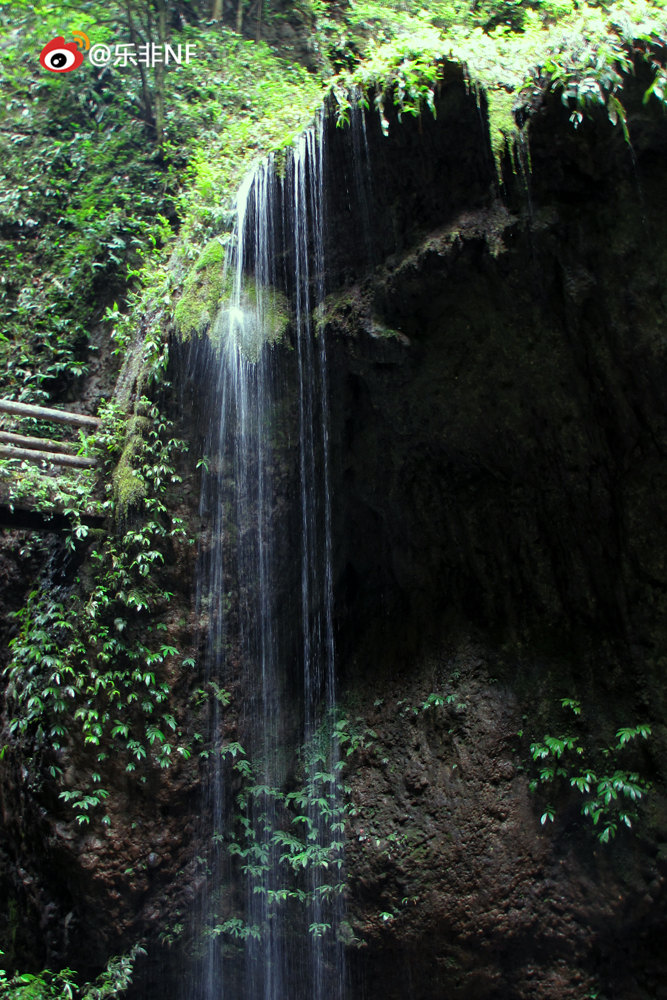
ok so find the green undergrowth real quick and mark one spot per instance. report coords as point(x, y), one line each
point(70, 492)
point(581, 50)
point(241, 101)
point(238, 103)
point(92, 665)
point(81, 196)
point(65, 985)
point(51, 488)
point(289, 844)
point(97, 222)
point(89, 204)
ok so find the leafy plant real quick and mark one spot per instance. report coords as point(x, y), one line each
point(289, 844)
point(435, 700)
point(584, 51)
point(609, 796)
point(80, 195)
point(87, 664)
point(63, 985)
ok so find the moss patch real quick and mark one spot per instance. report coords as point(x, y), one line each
point(261, 317)
point(129, 486)
point(205, 287)
point(502, 125)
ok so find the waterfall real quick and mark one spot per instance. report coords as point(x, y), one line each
point(266, 927)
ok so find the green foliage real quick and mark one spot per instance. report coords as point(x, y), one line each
point(51, 489)
point(86, 212)
point(85, 203)
point(582, 50)
point(430, 705)
point(86, 206)
point(300, 832)
point(63, 985)
point(366, 20)
point(43, 986)
point(239, 102)
point(115, 979)
point(405, 70)
point(236, 102)
point(610, 792)
point(435, 700)
point(91, 665)
point(80, 195)
point(69, 491)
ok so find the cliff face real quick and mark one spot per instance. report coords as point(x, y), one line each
point(504, 368)
point(500, 535)
point(496, 364)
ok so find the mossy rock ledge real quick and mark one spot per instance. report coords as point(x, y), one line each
point(211, 305)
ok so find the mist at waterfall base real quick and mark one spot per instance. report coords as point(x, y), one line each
point(268, 918)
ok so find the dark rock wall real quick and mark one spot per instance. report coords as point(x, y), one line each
point(500, 425)
point(504, 376)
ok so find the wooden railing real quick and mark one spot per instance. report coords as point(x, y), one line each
point(34, 449)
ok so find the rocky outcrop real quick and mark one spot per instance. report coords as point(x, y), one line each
point(500, 423)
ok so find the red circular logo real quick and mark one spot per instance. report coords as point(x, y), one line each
point(60, 56)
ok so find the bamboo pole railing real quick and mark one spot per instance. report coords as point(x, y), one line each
point(35, 449)
point(56, 458)
point(46, 413)
point(41, 444)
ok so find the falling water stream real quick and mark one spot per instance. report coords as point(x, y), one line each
point(269, 914)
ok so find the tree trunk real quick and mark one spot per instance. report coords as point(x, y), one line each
point(161, 9)
point(145, 89)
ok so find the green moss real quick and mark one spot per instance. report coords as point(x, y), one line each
point(129, 486)
point(346, 312)
point(502, 125)
point(262, 317)
point(280, 161)
point(205, 306)
point(212, 254)
point(204, 290)
point(379, 329)
point(350, 314)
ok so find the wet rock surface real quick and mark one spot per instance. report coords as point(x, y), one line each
point(500, 441)
point(456, 889)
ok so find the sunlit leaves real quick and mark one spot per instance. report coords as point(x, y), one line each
point(608, 798)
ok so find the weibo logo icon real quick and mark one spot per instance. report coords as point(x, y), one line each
point(60, 56)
